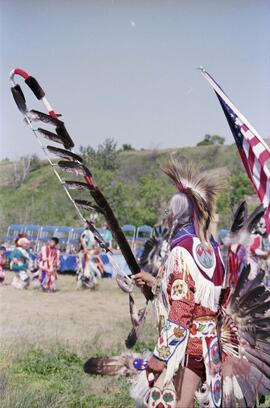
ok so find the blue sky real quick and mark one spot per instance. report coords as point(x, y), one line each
point(127, 69)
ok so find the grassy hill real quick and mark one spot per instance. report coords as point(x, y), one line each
point(135, 186)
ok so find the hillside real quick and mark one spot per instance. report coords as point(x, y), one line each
point(131, 180)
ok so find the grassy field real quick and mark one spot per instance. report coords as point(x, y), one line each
point(46, 338)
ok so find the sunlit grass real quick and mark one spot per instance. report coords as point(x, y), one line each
point(37, 378)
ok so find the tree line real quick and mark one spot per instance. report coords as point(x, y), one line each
point(131, 180)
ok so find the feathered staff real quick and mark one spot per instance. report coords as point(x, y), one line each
point(73, 163)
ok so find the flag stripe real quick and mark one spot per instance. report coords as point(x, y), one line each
point(264, 156)
point(252, 149)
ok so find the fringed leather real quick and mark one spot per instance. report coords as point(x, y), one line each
point(206, 294)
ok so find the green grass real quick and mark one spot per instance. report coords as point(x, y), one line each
point(32, 377)
point(38, 378)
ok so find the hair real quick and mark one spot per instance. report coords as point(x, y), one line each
point(181, 211)
point(55, 239)
point(22, 241)
point(19, 236)
point(2, 248)
point(181, 207)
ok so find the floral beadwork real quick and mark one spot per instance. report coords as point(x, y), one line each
point(179, 290)
point(164, 352)
point(205, 256)
point(201, 329)
point(171, 337)
point(161, 398)
point(178, 332)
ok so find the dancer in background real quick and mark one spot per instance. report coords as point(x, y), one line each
point(2, 264)
point(107, 235)
point(21, 264)
point(90, 265)
point(49, 262)
point(258, 250)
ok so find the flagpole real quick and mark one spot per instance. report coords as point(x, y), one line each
point(219, 91)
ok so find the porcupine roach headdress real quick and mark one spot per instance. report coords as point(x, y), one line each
point(200, 189)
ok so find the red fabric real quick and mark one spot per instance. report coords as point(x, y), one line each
point(185, 311)
point(53, 114)
point(2, 262)
point(256, 244)
point(51, 260)
point(233, 267)
point(181, 310)
point(21, 72)
point(196, 365)
point(89, 180)
point(99, 263)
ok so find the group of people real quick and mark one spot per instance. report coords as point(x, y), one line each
point(42, 272)
point(47, 261)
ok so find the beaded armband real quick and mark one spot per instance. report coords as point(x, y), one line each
point(172, 336)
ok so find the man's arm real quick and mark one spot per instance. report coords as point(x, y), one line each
point(180, 290)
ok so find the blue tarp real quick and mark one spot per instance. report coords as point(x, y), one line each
point(68, 263)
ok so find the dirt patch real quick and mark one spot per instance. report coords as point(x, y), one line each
point(70, 317)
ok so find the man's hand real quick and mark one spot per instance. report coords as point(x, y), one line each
point(143, 278)
point(155, 365)
point(96, 251)
point(264, 255)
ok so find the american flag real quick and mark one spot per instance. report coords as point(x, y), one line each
point(252, 148)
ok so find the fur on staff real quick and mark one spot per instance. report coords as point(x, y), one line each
point(122, 366)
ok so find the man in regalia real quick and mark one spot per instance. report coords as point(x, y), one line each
point(188, 291)
point(49, 261)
